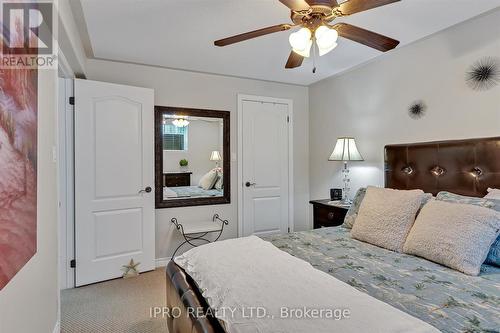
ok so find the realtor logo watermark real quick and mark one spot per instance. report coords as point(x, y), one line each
point(28, 35)
point(248, 312)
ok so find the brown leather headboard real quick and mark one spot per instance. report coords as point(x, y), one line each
point(465, 167)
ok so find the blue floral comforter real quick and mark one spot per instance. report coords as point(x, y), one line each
point(447, 299)
point(191, 192)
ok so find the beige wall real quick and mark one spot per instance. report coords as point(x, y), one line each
point(29, 303)
point(371, 102)
point(188, 89)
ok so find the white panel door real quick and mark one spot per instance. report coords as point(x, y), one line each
point(114, 177)
point(265, 167)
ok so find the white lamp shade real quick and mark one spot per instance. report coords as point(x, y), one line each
point(301, 42)
point(323, 51)
point(345, 150)
point(215, 156)
point(326, 39)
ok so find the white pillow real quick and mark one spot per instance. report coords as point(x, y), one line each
point(453, 234)
point(493, 193)
point(207, 182)
point(386, 216)
point(220, 181)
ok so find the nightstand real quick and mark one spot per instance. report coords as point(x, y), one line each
point(327, 215)
point(174, 179)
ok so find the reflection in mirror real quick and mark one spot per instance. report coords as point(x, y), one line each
point(192, 149)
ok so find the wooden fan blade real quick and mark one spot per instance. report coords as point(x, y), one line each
point(356, 6)
point(366, 37)
point(294, 60)
point(252, 34)
point(296, 5)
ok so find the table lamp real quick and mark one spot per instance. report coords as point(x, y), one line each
point(345, 150)
point(215, 156)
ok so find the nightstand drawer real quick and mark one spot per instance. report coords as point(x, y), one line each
point(327, 215)
point(176, 179)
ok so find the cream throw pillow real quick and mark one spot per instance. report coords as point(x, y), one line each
point(455, 235)
point(493, 193)
point(220, 182)
point(207, 182)
point(386, 216)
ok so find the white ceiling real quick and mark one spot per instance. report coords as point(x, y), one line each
point(180, 33)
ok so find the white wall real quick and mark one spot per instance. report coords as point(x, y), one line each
point(204, 91)
point(29, 303)
point(203, 138)
point(69, 39)
point(371, 102)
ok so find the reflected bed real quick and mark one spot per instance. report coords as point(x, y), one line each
point(189, 192)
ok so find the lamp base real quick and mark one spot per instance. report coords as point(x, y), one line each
point(346, 201)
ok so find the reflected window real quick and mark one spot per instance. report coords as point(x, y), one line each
point(175, 138)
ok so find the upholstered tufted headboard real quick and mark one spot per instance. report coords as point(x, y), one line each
point(465, 167)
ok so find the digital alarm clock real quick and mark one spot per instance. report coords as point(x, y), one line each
point(335, 194)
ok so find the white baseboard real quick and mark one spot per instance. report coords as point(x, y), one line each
point(162, 262)
point(57, 328)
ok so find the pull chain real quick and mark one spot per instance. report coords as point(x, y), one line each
point(314, 55)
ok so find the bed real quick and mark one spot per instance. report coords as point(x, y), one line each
point(190, 192)
point(447, 299)
point(444, 298)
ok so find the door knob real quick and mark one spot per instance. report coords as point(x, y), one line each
point(248, 184)
point(146, 190)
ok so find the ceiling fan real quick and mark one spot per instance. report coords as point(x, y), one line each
point(315, 18)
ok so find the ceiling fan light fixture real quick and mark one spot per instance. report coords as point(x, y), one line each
point(316, 21)
point(304, 52)
point(326, 39)
point(301, 42)
point(323, 51)
point(180, 122)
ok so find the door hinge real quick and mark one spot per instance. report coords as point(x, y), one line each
point(72, 101)
point(72, 263)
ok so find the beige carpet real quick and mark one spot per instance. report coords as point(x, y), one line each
point(117, 306)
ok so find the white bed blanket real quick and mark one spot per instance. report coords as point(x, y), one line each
point(255, 287)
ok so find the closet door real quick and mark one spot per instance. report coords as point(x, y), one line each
point(265, 167)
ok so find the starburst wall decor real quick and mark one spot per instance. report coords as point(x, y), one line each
point(484, 74)
point(417, 110)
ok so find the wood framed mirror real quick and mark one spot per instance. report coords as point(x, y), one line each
point(192, 157)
